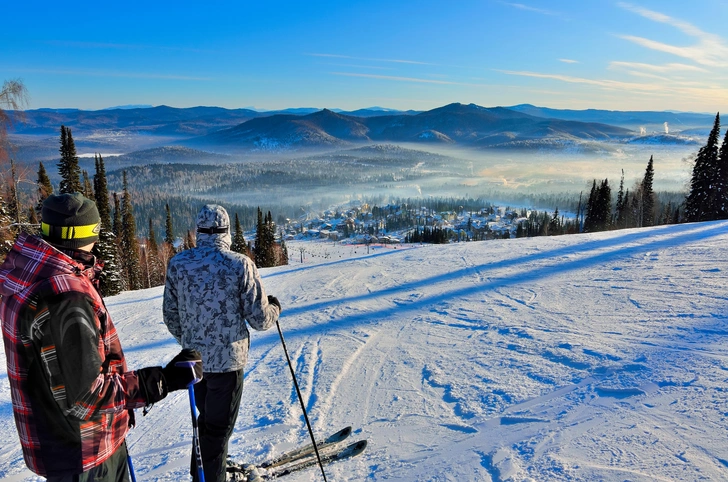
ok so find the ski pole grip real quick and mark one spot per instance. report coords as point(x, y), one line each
point(191, 365)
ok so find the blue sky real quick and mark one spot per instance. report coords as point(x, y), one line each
point(655, 55)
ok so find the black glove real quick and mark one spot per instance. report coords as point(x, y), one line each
point(152, 384)
point(178, 377)
point(272, 300)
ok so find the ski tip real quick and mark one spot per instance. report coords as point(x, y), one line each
point(340, 435)
point(358, 447)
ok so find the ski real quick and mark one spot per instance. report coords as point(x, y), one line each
point(347, 452)
point(307, 450)
point(295, 454)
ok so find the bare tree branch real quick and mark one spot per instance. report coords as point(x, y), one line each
point(13, 97)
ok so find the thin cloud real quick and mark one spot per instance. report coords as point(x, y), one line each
point(398, 61)
point(711, 49)
point(111, 73)
point(528, 8)
point(354, 66)
point(405, 79)
point(666, 68)
point(685, 27)
point(611, 84)
point(700, 92)
point(568, 61)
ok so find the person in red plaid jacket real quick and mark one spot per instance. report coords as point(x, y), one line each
point(73, 396)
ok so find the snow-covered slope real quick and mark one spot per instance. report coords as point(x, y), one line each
point(580, 358)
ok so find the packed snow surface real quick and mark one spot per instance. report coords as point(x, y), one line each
point(580, 358)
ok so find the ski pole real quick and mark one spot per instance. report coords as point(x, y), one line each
point(131, 466)
point(193, 411)
point(300, 399)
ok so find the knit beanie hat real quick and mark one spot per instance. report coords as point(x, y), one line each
point(70, 220)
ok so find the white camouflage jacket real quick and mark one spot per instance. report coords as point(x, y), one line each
point(209, 294)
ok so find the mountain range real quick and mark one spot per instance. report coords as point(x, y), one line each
point(159, 120)
point(467, 125)
point(216, 128)
point(630, 119)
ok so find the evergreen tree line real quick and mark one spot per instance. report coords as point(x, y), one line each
point(428, 234)
point(130, 261)
point(637, 208)
point(545, 224)
point(707, 199)
point(267, 252)
point(134, 261)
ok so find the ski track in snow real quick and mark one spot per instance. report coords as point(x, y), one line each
point(571, 358)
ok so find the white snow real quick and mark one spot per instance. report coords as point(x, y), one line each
point(580, 358)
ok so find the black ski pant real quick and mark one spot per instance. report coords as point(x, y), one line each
point(114, 469)
point(217, 397)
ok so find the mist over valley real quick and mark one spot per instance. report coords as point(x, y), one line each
point(523, 155)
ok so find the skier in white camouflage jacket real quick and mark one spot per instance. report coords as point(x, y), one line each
point(209, 295)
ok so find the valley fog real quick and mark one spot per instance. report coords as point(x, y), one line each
point(318, 180)
point(497, 176)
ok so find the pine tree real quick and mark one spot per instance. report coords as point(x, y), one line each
point(721, 181)
point(590, 216)
point(698, 204)
point(283, 258)
point(106, 249)
point(259, 253)
point(554, 224)
point(168, 231)
point(129, 244)
point(605, 205)
point(68, 166)
point(45, 188)
point(648, 196)
point(676, 216)
point(111, 281)
point(101, 194)
point(149, 260)
point(619, 209)
point(627, 218)
point(579, 215)
point(167, 249)
point(635, 209)
point(266, 253)
point(599, 207)
point(155, 262)
point(88, 191)
point(116, 225)
point(270, 242)
point(238, 242)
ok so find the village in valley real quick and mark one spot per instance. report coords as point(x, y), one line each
point(360, 223)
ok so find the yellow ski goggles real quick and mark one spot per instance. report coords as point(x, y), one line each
point(71, 232)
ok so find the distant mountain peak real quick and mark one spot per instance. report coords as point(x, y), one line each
point(130, 106)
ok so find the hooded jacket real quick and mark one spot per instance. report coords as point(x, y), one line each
point(68, 377)
point(211, 292)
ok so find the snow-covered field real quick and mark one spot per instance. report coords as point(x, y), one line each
point(587, 357)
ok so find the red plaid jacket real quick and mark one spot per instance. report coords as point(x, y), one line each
point(69, 383)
